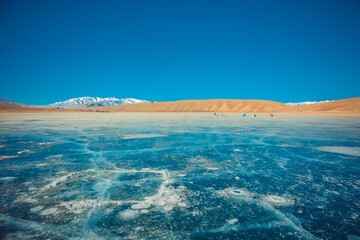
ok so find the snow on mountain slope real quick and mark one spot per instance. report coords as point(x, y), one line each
point(305, 103)
point(95, 102)
point(10, 102)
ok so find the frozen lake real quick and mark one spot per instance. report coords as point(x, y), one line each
point(179, 176)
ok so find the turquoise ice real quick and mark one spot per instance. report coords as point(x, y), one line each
point(179, 176)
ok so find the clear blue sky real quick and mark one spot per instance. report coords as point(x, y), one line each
point(173, 50)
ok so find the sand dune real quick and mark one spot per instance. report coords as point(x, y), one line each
point(214, 105)
point(346, 107)
point(349, 106)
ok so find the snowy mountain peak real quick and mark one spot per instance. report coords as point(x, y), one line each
point(95, 102)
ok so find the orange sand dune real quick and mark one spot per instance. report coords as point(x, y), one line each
point(214, 105)
point(351, 105)
point(345, 107)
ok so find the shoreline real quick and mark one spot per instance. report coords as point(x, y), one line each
point(344, 114)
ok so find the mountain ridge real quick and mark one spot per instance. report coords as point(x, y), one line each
point(94, 102)
point(11, 102)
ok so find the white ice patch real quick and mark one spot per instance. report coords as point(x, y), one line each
point(278, 200)
point(84, 205)
point(165, 199)
point(144, 211)
point(36, 209)
point(25, 152)
point(136, 136)
point(7, 178)
point(244, 195)
point(232, 221)
point(352, 151)
point(129, 214)
point(285, 145)
point(212, 168)
point(238, 193)
point(25, 199)
point(48, 211)
point(47, 144)
point(55, 156)
point(141, 205)
point(6, 157)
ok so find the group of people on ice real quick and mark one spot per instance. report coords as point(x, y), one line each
point(244, 115)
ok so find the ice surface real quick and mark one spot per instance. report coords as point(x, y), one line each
point(178, 176)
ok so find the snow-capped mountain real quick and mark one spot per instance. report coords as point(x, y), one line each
point(306, 103)
point(95, 102)
point(10, 102)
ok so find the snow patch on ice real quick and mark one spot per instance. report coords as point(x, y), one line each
point(47, 144)
point(352, 151)
point(84, 205)
point(232, 221)
point(36, 209)
point(25, 199)
point(129, 214)
point(276, 200)
point(25, 152)
point(7, 157)
point(48, 211)
point(7, 178)
point(244, 195)
point(166, 198)
point(238, 193)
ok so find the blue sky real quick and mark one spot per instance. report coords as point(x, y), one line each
point(174, 50)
